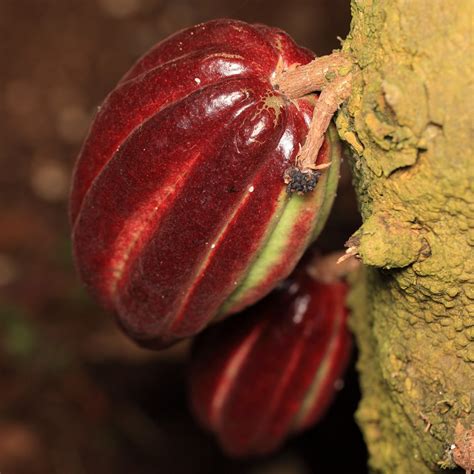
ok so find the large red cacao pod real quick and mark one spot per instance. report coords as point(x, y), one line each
point(178, 205)
point(256, 379)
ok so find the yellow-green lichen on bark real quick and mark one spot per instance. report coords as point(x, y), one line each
point(408, 123)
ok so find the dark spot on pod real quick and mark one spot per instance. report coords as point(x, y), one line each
point(299, 181)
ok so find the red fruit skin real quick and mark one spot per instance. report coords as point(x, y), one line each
point(258, 378)
point(165, 226)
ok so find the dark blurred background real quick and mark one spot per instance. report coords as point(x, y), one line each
point(75, 396)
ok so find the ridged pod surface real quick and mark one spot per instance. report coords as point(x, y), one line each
point(178, 205)
point(272, 372)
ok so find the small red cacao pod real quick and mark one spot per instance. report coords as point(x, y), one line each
point(178, 205)
point(272, 371)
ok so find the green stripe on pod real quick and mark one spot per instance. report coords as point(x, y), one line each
point(281, 235)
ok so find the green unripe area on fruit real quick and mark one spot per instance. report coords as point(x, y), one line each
point(279, 236)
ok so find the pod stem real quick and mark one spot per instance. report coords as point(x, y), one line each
point(332, 76)
point(331, 268)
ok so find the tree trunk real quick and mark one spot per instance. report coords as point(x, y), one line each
point(408, 126)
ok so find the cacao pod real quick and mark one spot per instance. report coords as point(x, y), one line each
point(178, 205)
point(272, 371)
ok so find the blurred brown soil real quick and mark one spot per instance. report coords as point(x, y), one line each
point(75, 395)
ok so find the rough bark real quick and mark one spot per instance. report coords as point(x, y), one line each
point(408, 126)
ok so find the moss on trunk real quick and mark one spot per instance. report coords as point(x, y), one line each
point(408, 124)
